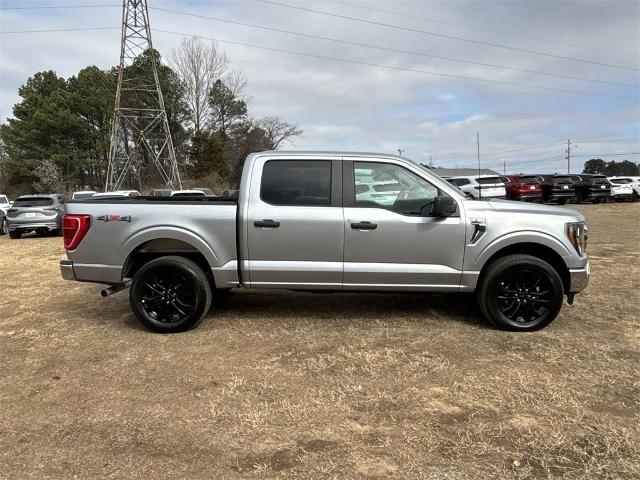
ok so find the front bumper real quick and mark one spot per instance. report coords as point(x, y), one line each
point(66, 270)
point(579, 278)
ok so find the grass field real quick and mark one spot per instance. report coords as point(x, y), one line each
point(314, 386)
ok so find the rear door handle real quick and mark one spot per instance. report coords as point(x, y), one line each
point(364, 226)
point(266, 224)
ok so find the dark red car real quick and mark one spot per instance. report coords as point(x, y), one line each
point(522, 187)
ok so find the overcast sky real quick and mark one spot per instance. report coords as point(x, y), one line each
point(350, 106)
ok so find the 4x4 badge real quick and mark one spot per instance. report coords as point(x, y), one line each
point(114, 218)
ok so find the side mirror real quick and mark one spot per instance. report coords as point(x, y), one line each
point(443, 207)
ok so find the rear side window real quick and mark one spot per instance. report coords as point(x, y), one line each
point(527, 178)
point(461, 181)
point(33, 202)
point(488, 180)
point(296, 182)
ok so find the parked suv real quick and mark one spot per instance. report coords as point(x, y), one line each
point(632, 183)
point(522, 187)
point(557, 188)
point(480, 186)
point(590, 188)
point(39, 213)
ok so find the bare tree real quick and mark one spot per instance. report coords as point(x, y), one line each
point(236, 81)
point(278, 131)
point(199, 64)
point(48, 178)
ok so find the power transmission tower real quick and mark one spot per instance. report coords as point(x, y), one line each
point(140, 129)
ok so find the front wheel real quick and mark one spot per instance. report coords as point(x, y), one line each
point(3, 226)
point(562, 201)
point(520, 293)
point(170, 294)
point(15, 235)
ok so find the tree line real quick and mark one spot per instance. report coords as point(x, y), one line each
point(58, 137)
point(611, 168)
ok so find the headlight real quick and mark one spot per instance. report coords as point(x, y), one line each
point(577, 234)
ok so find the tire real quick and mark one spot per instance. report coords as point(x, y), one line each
point(170, 294)
point(634, 197)
point(511, 294)
point(595, 201)
point(562, 201)
point(3, 226)
point(15, 235)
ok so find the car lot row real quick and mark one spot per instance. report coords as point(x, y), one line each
point(557, 188)
point(43, 213)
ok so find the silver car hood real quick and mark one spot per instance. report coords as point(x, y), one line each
point(516, 207)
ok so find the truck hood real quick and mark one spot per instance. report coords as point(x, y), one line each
point(515, 207)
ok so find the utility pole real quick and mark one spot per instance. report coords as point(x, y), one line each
point(139, 128)
point(504, 167)
point(478, 142)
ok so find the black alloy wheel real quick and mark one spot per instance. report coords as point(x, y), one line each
point(520, 293)
point(170, 294)
point(524, 295)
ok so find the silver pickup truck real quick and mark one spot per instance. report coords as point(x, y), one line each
point(331, 221)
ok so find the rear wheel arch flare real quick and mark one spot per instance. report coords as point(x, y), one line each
point(162, 247)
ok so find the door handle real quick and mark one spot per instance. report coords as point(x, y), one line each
point(266, 224)
point(364, 226)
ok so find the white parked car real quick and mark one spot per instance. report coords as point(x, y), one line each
point(483, 187)
point(188, 193)
point(383, 193)
point(621, 189)
point(632, 182)
point(5, 204)
point(83, 194)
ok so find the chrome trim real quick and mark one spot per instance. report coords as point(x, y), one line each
point(66, 270)
point(579, 278)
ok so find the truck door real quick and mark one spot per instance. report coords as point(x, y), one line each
point(294, 222)
point(390, 241)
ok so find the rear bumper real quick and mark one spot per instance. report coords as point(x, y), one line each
point(66, 270)
point(579, 278)
point(13, 225)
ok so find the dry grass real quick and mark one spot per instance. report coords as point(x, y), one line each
point(312, 386)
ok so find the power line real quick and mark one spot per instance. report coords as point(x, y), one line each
point(388, 49)
point(442, 35)
point(58, 30)
point(60, 7)
point(396, 68)
point(469, 27)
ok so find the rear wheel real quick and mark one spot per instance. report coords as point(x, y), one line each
point(635, 196)
point(595, 200)
point(3, 226)
point(562, 201)
point(170, 294)
point(520, 293)
point(15, 234)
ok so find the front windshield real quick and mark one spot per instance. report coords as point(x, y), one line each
point(33, 202)
point(438, 179)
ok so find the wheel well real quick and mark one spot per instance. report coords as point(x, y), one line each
point(161, 247)
point(537, 250)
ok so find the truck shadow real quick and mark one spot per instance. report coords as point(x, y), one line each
point(322, 307)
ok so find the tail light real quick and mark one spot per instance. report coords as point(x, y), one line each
point(74, 228)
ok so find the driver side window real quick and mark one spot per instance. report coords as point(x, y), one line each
point(392, 187)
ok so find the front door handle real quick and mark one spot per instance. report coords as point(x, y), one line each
point(266, 224)
point(364, 226)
